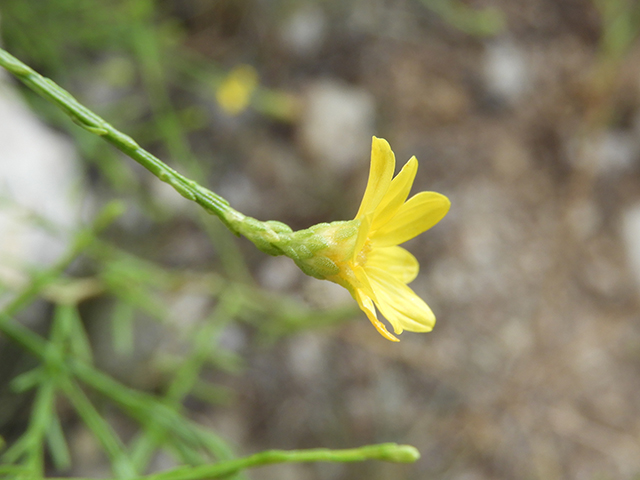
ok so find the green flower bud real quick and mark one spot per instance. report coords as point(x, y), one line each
point(322, 250)
point(401, 454)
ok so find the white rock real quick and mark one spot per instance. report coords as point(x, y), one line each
point(631, 236)
point(605, 153)
point(505, 70)
point(584, 218)
point(307, 356)
point(39, 185)
point(616, 151)
point(278, 273)
point(325, 294)
point(303, 33)
point(337, 125)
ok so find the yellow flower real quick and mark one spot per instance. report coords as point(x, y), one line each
point(363, 254)
point(235, 91)
point(376, 270)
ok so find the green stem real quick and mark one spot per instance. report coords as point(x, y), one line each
point(267, 236)
point(93, 123)
point(389, 452)
point(30, 447)
point(122, 465)
point(22, 336)
point(141, 406)
point(184, 380)
point(43, 410)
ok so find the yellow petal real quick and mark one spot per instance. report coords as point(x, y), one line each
point(363, 283)
point(383, 164)
point(396, 195)
point(366, 304)
point(399, 304)
point(363, 234)
point(419, 213)
point(395, 261)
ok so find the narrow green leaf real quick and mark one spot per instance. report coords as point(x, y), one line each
point(17, 450)
point(62, 323)
point(113, 447)
point(28, 380)
point(79, 340)
point(122, 327)
point(58, 445)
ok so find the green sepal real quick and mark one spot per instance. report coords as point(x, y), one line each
point(320, 249)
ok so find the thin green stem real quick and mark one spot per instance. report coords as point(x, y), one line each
point(267, 236)
point(93, 123)
point(386, 452)
point(389, 452)
point(122, 465)
point(141, 406)
point(30, 447)
point(147, 409)
point(43, 410)
point(184, 381)
point(58, 444)
point(32, 342)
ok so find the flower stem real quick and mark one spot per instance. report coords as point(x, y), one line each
point(91, 122)
point(389, 452)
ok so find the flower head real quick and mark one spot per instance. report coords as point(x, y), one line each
point(378, 270)
point(363, 254)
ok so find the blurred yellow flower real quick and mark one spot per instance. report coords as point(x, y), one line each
point(374, 268)
point(235, 91)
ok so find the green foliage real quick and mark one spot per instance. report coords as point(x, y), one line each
point(66, 360)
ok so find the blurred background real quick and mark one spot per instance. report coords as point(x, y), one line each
point(526, 114)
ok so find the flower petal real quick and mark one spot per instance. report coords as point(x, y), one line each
point(395, 261)
point(383, 164)
point(399, 304)
point(418, 214)
point(363, 283)
point(366, 304)
point(396, 195)
point(363, 234)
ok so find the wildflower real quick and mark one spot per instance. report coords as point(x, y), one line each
point(235, 91)
point(363, 254)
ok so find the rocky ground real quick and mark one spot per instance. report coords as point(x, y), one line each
point(533, 369)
